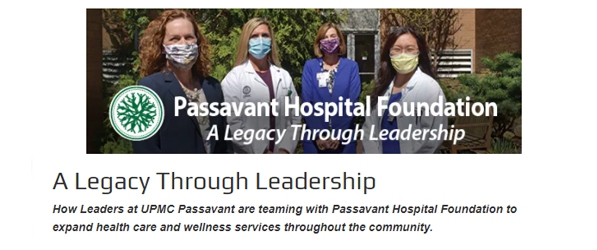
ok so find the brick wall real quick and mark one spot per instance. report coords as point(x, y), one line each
point(497, 31)
point(465, 37)
point(94, 80)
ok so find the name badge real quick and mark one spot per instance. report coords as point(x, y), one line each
point(322, 78)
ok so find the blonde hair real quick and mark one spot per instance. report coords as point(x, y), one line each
point(243, 45)
point(321, 35)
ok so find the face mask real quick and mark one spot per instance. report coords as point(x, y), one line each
point(182, 56)
point(330, 46)
point(405, 63)
point(260, 47)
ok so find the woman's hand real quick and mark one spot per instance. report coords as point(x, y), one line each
point(321, 144)
point(333, 144)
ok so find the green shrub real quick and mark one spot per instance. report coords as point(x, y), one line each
point(502, 85)
point(503, 146)
point(366, 90)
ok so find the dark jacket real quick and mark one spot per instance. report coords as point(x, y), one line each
point(180, 134)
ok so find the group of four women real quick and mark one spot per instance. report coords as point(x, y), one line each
point(175, 62)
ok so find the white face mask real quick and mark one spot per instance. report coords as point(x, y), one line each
point(405, 63)
point(182, 56)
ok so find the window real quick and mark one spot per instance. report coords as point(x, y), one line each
point(364, 55)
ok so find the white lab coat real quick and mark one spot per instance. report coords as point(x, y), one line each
point(243, 84)
point(420, 88)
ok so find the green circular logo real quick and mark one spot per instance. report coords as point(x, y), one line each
point(136, 113)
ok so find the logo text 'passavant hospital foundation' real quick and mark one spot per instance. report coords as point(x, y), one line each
point(136, 113)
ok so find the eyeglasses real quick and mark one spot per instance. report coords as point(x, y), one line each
point(408, 50)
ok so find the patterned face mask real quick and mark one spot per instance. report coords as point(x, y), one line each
point(182, 56)
point(330, 46)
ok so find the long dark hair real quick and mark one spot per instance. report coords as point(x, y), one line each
point(386, 73)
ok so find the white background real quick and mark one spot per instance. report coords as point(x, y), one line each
point(552, 183)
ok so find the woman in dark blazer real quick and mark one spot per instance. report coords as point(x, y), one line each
point(175, 63)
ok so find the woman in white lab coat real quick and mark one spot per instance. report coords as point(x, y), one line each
point(258, 78)
point(405, 76)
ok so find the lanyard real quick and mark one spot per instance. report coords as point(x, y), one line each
point(332, 75)
point(330, 81)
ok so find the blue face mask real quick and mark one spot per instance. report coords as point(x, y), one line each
point(260, 47)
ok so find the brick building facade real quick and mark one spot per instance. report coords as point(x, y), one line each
point(488, 32)
point(497, 31)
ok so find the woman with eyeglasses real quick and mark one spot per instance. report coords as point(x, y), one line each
point(405, 77)
point(258, 78)
point(330, 78)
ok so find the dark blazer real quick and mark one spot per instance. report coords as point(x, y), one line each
point(180, 134)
